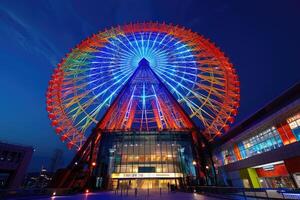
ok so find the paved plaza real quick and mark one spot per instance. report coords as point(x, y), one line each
point(144, 196)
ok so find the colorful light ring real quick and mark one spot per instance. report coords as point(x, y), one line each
point(195, 71)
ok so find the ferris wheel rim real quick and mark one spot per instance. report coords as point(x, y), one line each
point(57, 89)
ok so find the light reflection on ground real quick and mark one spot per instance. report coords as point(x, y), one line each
point(152, 196)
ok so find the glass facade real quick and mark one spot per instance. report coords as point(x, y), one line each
point(129, 155)
point(260, 142)
point(228, 156)
point(294, 123)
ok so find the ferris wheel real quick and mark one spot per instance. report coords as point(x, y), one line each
point(197, 74)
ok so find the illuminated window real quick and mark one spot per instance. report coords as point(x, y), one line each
point(162, 153)
point(228, 155)
point(294, 123)
point(257, 143)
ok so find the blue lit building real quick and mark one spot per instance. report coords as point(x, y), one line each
point(264, 150)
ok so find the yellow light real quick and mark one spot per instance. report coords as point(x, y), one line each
point(93, 164)
point(194, 162)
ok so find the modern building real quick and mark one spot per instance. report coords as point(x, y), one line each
point(38, 180)
point(14, 161)
point(145, 157)
point(152, 153)
point(264, 150)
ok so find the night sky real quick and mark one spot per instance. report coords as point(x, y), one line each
point(262, 39)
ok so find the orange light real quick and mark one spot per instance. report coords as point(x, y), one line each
point(87, 191)
point(93, 164)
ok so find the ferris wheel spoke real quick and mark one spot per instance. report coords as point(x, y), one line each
point(175, 68)
point(124, 73)
point(202, 100)
point(136, 53)
point(118, 51)
point(192, 105)
point(139, 49)
point(197, 74)
point(128, 48)
point(97, 109)
point(80, 97)
point(147, 47)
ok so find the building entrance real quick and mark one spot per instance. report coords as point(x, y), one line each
point(145, 183)
point(146, 159)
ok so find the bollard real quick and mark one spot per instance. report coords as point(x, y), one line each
point(267, 194)
point(283, 197)
point(160, 191)
point(148, 191)
point(244, 195)
point(127, 191)
point(135, 192)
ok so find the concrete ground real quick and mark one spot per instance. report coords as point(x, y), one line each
point(141, 196)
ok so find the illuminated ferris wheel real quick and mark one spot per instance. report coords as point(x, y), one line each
point(195, 71)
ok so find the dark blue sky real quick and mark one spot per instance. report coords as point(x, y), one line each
point(262, 39)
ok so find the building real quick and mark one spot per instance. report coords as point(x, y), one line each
point(144, 157)
point(38, 180)
point(138, 153)
point(264, 150)
point(14, 161)
point(141, 104)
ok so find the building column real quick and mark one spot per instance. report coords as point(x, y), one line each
point(286, 133)
point(237, 152)
point(251, 175)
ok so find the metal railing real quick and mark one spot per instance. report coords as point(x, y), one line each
point(219, 192)
point(248, 193)
point(138, 192)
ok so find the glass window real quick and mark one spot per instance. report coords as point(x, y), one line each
point(163, 152)
point(258, 143)
point(294, 123)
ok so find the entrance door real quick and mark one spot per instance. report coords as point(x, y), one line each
point(145, 183)
point(155, 183)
